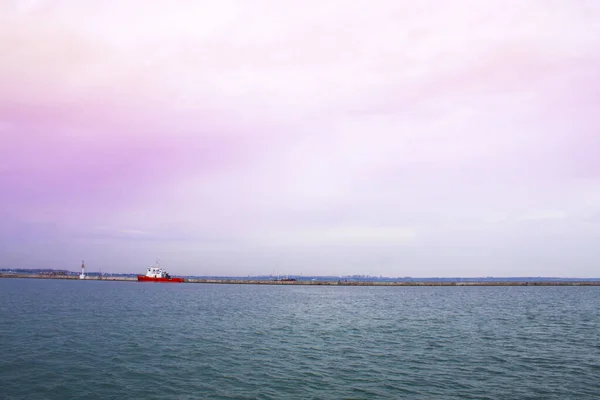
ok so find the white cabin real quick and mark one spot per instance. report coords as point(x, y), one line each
point(155, 271)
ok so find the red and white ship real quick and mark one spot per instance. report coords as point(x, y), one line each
point(156, 274)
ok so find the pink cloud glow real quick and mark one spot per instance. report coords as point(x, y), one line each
point(344, 137)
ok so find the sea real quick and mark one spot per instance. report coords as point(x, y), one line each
point(71, 339)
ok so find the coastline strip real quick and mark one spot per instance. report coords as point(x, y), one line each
point(319, 283)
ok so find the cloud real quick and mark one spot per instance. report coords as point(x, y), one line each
point(350, 235)
point(544, 215)
point(134, 232)
point(262, 124)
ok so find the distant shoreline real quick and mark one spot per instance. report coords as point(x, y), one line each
point(566, 282)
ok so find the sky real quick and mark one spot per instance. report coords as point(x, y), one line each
point(316, 137)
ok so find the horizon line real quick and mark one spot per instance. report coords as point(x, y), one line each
point(314, 276)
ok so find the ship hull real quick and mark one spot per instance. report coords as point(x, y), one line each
point(142, 278)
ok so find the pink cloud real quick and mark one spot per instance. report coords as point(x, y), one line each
point(257, 121)
point(54, 156)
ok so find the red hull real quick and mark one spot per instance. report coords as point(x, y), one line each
point(142, 278)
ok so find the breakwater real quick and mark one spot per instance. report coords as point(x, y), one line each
point(322, 283)
point(73, 277)
point(387, 283)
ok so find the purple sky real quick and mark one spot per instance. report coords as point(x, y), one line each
point(393, 137)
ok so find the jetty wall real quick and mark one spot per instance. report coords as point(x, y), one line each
point(317, 283)
point(413, 283)
point(74, 277)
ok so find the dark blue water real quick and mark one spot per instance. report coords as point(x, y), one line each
point(119, 340)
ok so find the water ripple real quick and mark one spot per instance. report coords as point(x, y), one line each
point(115, 340)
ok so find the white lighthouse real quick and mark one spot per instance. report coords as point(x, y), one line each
point(82, 275)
